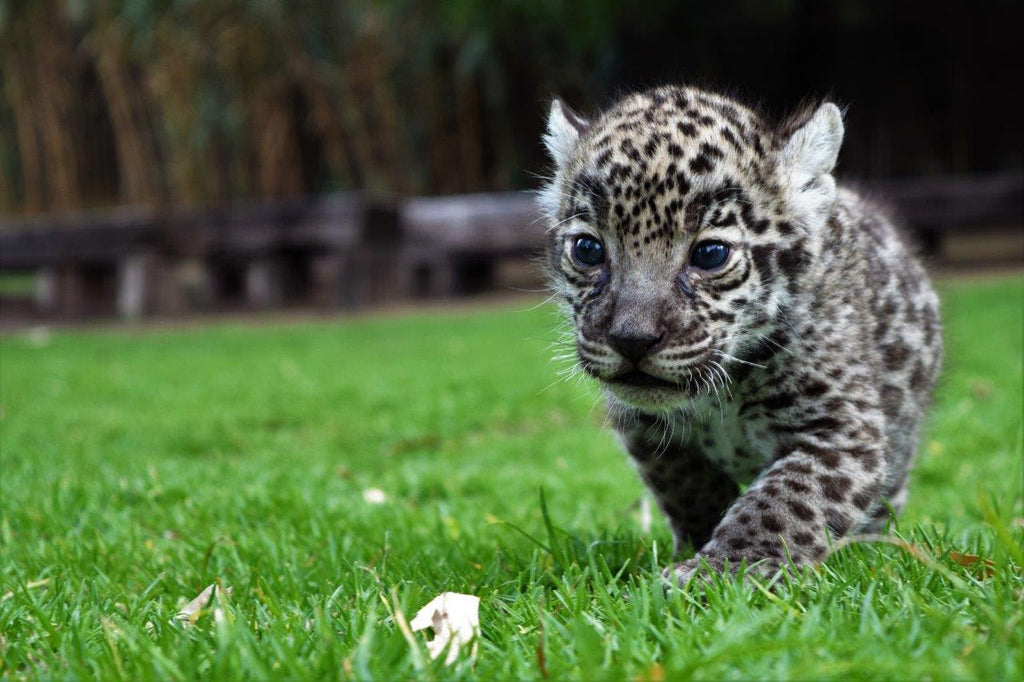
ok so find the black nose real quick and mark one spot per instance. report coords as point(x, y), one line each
point(634, 345)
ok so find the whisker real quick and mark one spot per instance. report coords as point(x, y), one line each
point(713, 377)
point(733, 358)
point(539, 305)
point(723, 374)
point(766, 340)
point(564, 220)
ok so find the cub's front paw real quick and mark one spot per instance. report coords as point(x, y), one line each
point(705, 567)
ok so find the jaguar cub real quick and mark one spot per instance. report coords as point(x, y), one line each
point(751, 323)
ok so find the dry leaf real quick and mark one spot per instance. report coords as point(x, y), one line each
point(542, 660)
point(190, 614)
point(982, 390)
point(455, 619)
point(374, 496)
point(988, 567)
point(30, 586)
point(656, 673)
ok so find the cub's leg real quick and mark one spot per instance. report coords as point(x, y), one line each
point(819, 489)
point(692, 492)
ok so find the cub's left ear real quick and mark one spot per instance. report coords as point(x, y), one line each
point(809, 154)
point(564, 130)
point(813, 147)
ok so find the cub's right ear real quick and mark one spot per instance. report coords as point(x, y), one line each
point(564, 130)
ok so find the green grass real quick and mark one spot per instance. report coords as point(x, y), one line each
point(140, 466)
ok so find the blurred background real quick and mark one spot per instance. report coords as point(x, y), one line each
point(162, 158)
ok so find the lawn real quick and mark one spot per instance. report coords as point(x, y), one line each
point(140, 466)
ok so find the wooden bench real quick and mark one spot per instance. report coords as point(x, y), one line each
point(452, 244)
point(330, 251)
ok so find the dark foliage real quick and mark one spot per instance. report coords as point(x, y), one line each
point(118, 101)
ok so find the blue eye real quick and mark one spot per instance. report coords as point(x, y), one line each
point(588, 251)
point(709, 255)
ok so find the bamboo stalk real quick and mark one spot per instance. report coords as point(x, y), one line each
point(55, 66)
point(16, 85)
point(124, 96)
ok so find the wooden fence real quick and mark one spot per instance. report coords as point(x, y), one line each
point(355, 250)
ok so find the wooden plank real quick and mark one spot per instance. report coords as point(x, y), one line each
point(97, 238)
point(954, 203)
point(506, 223)
point(344, 221)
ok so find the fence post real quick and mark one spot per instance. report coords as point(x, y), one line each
point(45, 293)
point(134, 285)
point(263, 282)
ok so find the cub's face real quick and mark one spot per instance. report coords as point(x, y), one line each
point(679, 228)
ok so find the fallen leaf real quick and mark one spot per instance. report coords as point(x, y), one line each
point(374, 496)
point(455, 619)
point(190, 614)
point(988, 570)
point(429, 441)
point(30, 586)
point(542, 661)
point(656, 673)
point(981, 390)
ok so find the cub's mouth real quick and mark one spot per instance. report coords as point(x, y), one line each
point(639, 379)
point(645, 391)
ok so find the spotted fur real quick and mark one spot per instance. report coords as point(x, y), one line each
point(801, 368)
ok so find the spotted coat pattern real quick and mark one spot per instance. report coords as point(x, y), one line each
point(801, 368)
